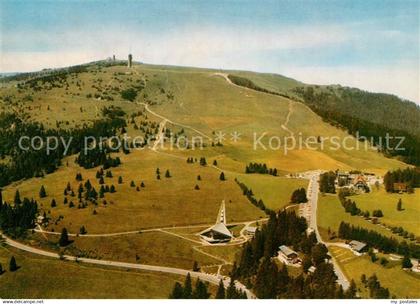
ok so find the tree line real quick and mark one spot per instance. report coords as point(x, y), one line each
point(344, 110)
point(377, 240)
point(200, 291)
point(17, 218)
point(257, 268)
point(327, 182)
point(35, 163)
point(299, 196)
point(260, 168)
point(409, 176)
point(250, 196)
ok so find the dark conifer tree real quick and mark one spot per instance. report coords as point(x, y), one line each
point(12, 264)
point(406, 262)
point(64, 237)
point(399, 205)
point(17, 200)
point(195, 266)
point(82, 230)
point(231, 292)
point(220, 290)
point(42, 192)
point(177, 292)
point(187, 287)
point(88, 185)
point(200, 291)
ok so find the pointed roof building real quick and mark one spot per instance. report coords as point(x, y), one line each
point(219, 232)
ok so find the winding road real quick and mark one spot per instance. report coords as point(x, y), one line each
point(214, 279)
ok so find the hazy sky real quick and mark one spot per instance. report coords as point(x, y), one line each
point(372, 45)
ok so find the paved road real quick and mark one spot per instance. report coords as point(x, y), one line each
point(313, 190)
point(214, 279)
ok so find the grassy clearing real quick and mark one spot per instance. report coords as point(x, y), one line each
point(228, 253)
point(330, 214)
point(162, 203)
point(274, 191)
point(387, 202)
point(400, 283)
point(153, 248)
point(46, 278)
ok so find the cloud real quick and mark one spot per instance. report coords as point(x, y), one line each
point(187, 41)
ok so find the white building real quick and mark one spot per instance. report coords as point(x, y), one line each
point(218, 233)
point(250, 230)
point(288, 256)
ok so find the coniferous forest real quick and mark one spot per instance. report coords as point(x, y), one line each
point(27, 163)
point(410, 176)
point(257, 266)
point(16, 218)
point(347, 108)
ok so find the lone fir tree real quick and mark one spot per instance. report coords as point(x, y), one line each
point(64, 237)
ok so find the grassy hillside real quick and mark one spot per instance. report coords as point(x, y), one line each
point(330, 214)
point(45, 278)
point(274, 191)
point(185, 102)
point(401, 284)
point(199, 99)
point(384, 109)
point(161, 203)
point(387, 202)
point(372, 115)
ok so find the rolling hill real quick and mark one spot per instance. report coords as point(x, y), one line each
point(164, 194)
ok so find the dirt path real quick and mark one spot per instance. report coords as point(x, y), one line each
point(160, 139)
point(286, 122)
point(146, 106)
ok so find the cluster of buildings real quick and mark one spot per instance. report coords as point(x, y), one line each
point(361, 182)
point(129, 60)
